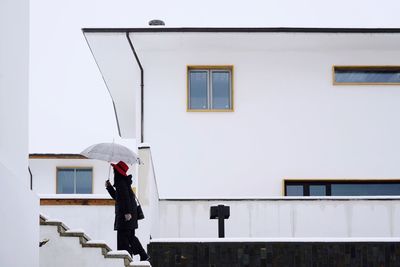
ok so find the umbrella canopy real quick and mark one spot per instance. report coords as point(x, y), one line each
point(111, 152)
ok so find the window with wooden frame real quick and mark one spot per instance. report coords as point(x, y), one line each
point(72, 180)
point(210, 88)
point(366, 75)
point(342, 187)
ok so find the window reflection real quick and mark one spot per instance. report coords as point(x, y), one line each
point(368, 75)
point(317, 190)
point(294, 190)
point(345, 188)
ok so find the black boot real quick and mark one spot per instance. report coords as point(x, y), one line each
point(144, 256)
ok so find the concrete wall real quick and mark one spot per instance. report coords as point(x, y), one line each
point(277, 219)
point(44, 173)
point(95, 221)
point(19, 226)
point(68, 251)
point(274, 218)
point(289, 120)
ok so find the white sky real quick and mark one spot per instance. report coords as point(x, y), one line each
point(70, 107)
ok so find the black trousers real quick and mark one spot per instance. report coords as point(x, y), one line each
point(126, 240)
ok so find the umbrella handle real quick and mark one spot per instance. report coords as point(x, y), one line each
point(109, 165)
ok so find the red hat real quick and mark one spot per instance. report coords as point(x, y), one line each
point(121, 167)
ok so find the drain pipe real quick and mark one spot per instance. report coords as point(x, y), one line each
point(31, 176)
point(141, 87)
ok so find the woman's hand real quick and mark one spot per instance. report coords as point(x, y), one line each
point(128, 217)
point(107, 184)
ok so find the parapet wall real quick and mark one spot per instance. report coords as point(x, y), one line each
point(284, 217)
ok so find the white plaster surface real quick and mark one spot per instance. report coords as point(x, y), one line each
point(19, 206)
point(96, 221)
point(289, 120)
point(282, 219)
point(228, 239)
point(63, 68)
point(67, 251)
point(44, 173)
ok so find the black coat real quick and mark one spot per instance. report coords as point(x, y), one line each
point(125, 202)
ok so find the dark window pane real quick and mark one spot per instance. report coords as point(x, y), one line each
point(367, 75)
point(317, 190)
point(294, 190)
point(65, 181)
point(221, 90)
point(83, 181)
point(198, 85)
point(360, 189)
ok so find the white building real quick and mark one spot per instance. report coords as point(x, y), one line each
point(247, 117)
point(70, 174)
point(309, 110)
point(19, 227)
point(71, 188)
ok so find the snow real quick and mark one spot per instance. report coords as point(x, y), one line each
point(286, 198)
point(144, 145)
point(282, 239)
point(45, 217)
point(96, 242)
point(140, 264)
point(81, 231)
point(118, 252)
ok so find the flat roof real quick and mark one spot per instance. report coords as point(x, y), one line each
point(248, 30)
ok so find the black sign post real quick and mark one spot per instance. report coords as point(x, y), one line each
point(220, 212)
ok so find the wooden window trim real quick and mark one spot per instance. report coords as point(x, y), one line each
point(209, 67)
point(76, 201)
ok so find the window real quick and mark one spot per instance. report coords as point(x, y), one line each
point(74, 180)
point(210, 88)
point(352, 75)
point(342, 188)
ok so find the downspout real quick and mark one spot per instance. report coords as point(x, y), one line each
point(31, 177)
point(141, 87)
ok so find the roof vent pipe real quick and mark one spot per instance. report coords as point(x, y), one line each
point(156, 22)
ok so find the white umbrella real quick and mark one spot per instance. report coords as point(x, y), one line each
point(111, 152)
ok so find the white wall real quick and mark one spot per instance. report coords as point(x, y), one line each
point(19, 207)
point(95, 221)
point(283, 218)
point(289, 120)
point(67, 251)
point(268, 218)
point(148, 194)
point(63, 68)
point(44, 173)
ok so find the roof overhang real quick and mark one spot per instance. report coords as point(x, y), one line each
point(118, 51)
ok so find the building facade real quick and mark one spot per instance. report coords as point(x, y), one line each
point(70, 174)
point(258, 112)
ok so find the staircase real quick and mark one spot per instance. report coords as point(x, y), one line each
point(68, 247)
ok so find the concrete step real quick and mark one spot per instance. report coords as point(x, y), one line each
point(76, 247)
point(140, 264)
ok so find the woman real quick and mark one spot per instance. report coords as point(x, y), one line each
point(125, 211)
